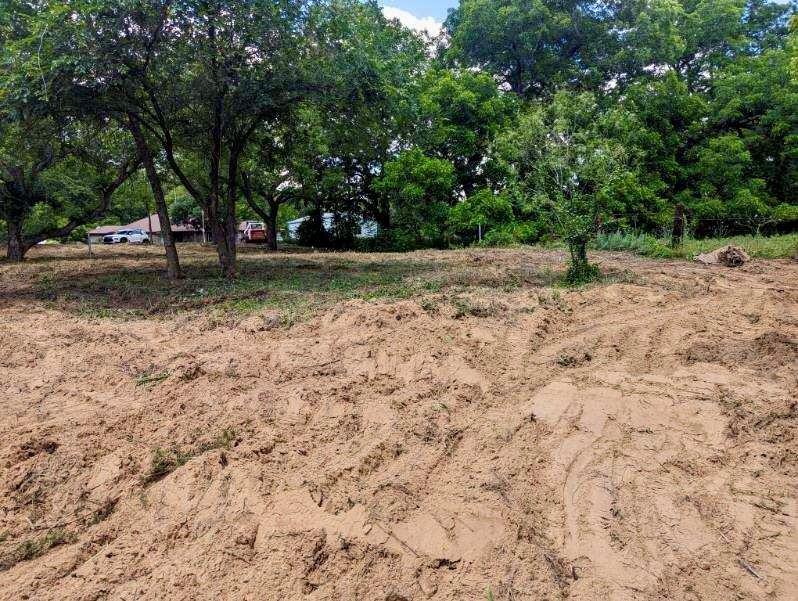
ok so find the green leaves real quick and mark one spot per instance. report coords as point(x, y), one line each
point(420, 190)
point(565, 160)
point(482, 209)
point(532, 46)
point(461, 112)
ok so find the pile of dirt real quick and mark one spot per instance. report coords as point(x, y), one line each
point(730, 256)
point(768, 350)
point(624, 441)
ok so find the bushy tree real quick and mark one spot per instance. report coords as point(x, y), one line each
point(568, 166)
point(531, 46)
point(419, 189)
point(483, 210)
point(460, 114)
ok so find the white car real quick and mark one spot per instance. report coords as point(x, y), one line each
point(123, 236)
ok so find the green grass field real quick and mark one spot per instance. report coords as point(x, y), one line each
point(762, 247)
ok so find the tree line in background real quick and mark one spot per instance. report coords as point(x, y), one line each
point(524, 121)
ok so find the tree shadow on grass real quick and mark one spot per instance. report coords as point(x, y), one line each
point(130, 286)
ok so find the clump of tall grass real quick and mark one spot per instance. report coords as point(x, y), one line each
point(764, 247)
point(642, 244)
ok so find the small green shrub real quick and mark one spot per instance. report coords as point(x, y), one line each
point(163, 463)
point(499, 237)
point(36, 547)
point(579, 274)
point(151, 377)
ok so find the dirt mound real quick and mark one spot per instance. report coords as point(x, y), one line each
point(730, 256)
point(625, 441)
point(771, 349)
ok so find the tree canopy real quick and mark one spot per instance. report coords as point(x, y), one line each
point(523, 121)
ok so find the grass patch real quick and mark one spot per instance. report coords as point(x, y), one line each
point(36, 547)
point(151, 377)
point(296, 286)
point(46, 288)
point(476, 308)
point(763, 247)
point(128, 285)
point(224, 440)
point(581, 274)
point(165, 461)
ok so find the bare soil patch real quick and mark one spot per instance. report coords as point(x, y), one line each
point(437, 425)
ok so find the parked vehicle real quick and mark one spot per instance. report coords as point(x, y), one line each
point(254, 231)
point(127, 236)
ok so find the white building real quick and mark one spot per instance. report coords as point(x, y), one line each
point(368, 227)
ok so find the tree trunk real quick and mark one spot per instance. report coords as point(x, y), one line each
point(221, 239)
point(172, 262)
point(578, 250)
point(227, 259)
point(16, 242)
point(271, 227)
point(228, 226)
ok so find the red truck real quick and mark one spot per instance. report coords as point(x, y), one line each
point(254, 231)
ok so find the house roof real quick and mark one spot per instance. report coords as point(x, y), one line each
point(144, 224)
point(104, 229)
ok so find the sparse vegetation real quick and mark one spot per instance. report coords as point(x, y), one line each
point(165, 461)
point(126, 284)
point(580, 273)
point(764, 247)
point(36, 547)
point(103, 512)
point(150, 377)
point(474, 307)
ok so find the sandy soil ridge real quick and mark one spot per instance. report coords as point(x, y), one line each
point(626, 441)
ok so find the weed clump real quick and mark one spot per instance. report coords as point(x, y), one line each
point(165, 461)
point(464, 307)
point(36, 547)
point(151, 377)
point(581, 273)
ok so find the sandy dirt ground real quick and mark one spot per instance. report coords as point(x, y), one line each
point(630, 440)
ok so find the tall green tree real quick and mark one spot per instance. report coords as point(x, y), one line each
point(59, 166)
point(460, 113)
point(568, 163)
point(420, 190)
point(199, 79)
point(532, 46)
point(103, 51)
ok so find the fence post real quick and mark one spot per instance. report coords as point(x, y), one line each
point(677, 234)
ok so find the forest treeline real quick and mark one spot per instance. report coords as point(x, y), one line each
point(523, 121)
